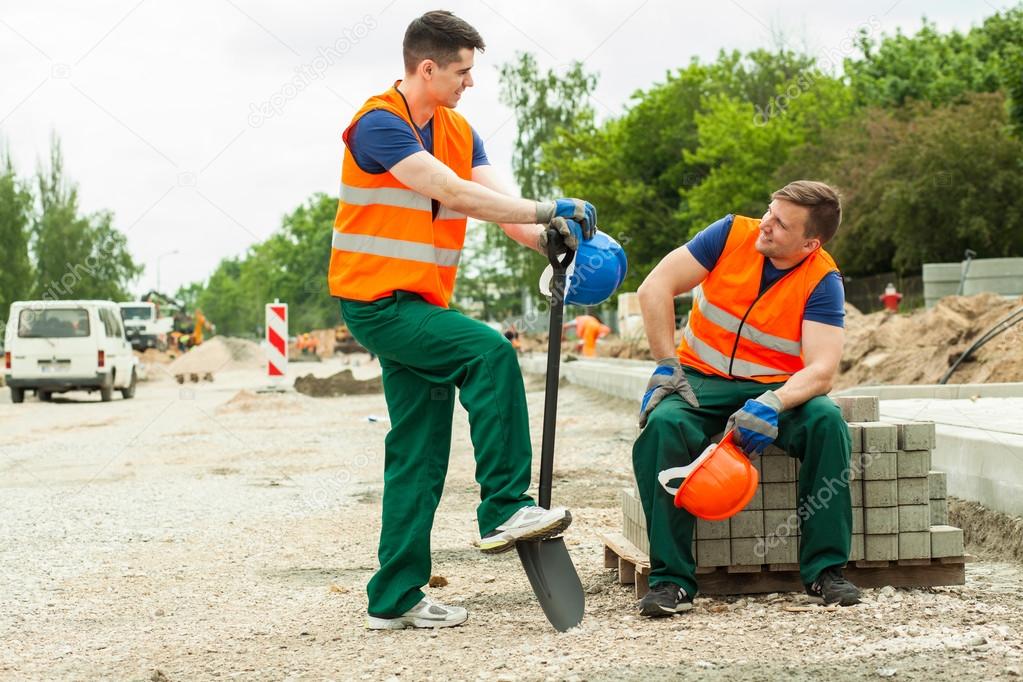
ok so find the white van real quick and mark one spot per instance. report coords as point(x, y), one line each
point(57, 346)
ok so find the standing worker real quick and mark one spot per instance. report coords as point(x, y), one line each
point(197, 330)
point(758, 354)
point(413, 170)
point(589, 328)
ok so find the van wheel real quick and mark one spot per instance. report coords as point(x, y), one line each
point(45, 396)
point(17, 395)
point(129, 392)
point(106, 391)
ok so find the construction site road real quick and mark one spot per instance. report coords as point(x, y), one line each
point(205, 531)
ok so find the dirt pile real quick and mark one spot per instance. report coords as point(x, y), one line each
point(919, 347)
point(998, 535)
point(342, 383)
point(153, 356)
point(249, 401)
point(219, 354)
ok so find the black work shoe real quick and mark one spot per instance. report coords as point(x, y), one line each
point(664, 599)
point(832, 587)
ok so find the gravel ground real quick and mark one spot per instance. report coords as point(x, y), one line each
point(207, 531)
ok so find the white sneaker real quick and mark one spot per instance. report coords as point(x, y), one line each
point(528, 523)
point(426, 614)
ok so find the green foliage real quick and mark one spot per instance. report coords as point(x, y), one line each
point(922, 184)
point(75, 256)
point(291, 266)
point(641, 169)
point(485, 287)
point(15, 222)
point(742, 147)
point(543, 103)
point(940, 67)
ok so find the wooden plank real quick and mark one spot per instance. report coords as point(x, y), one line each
point(909, 576)
point(642, 585)
point(914, 562)
point(863, 563)
point(634, 569)
point(610, 558)
point(723, 582)
point(625, 549)
point(783, 567)
point(626, 572)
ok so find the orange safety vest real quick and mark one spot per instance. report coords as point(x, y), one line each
point(734, 331)
point(385, 236)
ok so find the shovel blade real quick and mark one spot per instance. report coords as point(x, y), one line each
point(555, 581)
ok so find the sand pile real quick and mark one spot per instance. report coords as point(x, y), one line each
point(919, 347)
point(342, 383)
point(219, 354)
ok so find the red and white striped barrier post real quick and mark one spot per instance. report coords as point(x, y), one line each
point(276, 341)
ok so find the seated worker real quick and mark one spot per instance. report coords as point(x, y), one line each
point(758, 354)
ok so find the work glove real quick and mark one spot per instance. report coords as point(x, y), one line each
point(756, 424)
point(578, 210)
point(667, 378)
point(571, 234)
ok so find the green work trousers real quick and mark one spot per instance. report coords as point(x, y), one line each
point(676, 433)
point(426, 352)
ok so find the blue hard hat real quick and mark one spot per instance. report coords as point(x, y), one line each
point(597, 271)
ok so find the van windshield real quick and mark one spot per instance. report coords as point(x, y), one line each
point(136, 313)
point(53, 323)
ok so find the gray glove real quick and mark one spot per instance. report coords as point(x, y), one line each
point(578, 210)
point(569, 231)
point(756, 423)
point(668, 378)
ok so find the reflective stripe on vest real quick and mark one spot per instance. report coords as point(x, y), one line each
point(396, 197)
point(722, 363)
point(396, 248)
point(729, 322)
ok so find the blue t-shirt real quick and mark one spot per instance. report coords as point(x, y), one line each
point(380, 139)
point(827, 301)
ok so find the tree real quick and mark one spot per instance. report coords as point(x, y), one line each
point(291, 265)
point(922, 184)
point(742, 147)
point(15, 222)
point(640, 169)
point(544, 105)
point(940, 68)
point(76, 256)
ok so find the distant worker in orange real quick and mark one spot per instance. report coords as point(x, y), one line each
point(589, 329)
point(512, 334)
point(890, 298)
point(200, 322)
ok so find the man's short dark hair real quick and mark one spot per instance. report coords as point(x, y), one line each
point(824, 203)
point(438, 35)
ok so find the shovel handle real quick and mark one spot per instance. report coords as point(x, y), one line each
point(550, 399)
point(560, 264)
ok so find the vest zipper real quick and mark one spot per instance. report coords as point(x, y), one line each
point(738, 332)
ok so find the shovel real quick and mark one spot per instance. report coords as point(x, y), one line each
point(547, 562)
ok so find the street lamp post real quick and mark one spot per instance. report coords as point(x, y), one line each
point(158, 259)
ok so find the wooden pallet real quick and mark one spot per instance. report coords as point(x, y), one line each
point(634, 569)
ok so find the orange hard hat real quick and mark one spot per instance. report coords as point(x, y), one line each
point(718, 483)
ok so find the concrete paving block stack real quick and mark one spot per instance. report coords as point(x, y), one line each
point(899, 506)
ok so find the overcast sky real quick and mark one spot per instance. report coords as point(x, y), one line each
point(164, 108)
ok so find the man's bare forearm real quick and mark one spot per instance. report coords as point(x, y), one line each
point(805, 384)
point(483, 203)
point(658, 308)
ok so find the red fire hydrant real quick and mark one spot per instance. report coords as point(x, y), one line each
point(890, 298)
